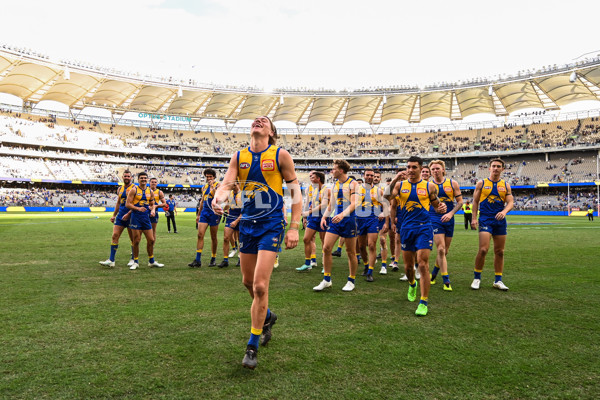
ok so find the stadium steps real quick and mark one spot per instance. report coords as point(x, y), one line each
point(519, 171)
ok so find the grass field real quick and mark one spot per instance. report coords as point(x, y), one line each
point(73, 329)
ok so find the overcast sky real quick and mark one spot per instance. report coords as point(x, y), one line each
point(313, 43)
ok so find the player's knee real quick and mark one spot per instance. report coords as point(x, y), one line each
point(260, 288)
point(307, 241)
point(483, 250)
point(499, 252)
point(327, 248)
point(423, 267)
point(441, 251)
point(248, 283)
point(372, 247)
point(351, 253)
point(115, 238)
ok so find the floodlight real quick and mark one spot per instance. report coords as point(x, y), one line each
point(67, 73)
point(179, 92)
point(573, 77)
point(490, 90)
point(281, 99)
point(384, 98)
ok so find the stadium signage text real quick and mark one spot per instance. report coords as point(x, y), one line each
point(164, 117)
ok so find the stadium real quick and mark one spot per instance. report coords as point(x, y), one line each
point(73, 329)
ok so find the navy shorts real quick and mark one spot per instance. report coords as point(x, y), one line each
point(380, 223)
point(228, 222)
point(346, 228)
point(417, 237)
point(314, 223)
point(366, 225)
point(493, 226)
point(154, 220)
point(209, 217)
point(119, 221)
point(261, 235)
point(140, 221)
point(444, 228)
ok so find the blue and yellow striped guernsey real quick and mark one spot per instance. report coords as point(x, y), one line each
point(122, 195)
point(492, 198)
point(315, 196)
point(445, 195)
point(209, 191)
point(341, 191)
point(143, 198)
point(369, 205)
point(414, 203)
point(261, 184)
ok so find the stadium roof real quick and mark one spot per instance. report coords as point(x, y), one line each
point(34, 79)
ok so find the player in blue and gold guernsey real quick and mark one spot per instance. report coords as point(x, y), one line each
point(140, 200)
point(207, 218)
point(416, 234)
point(493, 198)
point(261, 169)
point(159, 201)
point(316, 202)
point(233, 216)
point(368, 214)
point(344, 198)
point(443, 225)
point(120, 219)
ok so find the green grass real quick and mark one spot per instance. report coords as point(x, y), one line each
point(73, 329)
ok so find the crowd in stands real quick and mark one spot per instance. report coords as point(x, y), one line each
point(43, 197)
point(39, 197)
point(49, 131)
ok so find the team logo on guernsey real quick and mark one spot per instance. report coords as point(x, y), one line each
point(421, 192)
point(267, 165)
point(405, 190)
point(501, 189)
point(487, 187)
point(244, 165)
point(447, 189)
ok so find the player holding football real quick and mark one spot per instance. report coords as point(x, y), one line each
point(493, 198)
point(260, 170)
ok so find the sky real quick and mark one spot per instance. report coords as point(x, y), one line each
point(311, 43)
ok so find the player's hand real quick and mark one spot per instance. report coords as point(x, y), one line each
point(337, 218)
point(447, 217)
point(474, 224)
point(112, 219)
point(126, 217)
point(305, 214)
point(441, 208)
point(323, 223)
point(233, 224)
point(198, 218)
point(217, 207)
point(395, 228)
point(152, 213)
point(385, 229)
point(291, 239)
point(304, 222)
point(381, 217)
point(501, 215)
